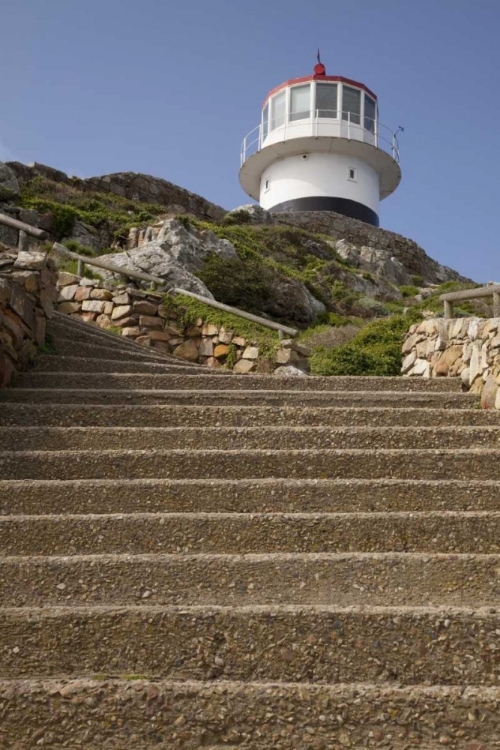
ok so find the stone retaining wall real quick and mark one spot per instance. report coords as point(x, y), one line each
point(142, 317)
point(27, 295)
point(468, 348)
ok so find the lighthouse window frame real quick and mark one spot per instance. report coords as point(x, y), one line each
point(265, 121)
point(300, 102)
point(278, 111)
point(351, 104)
point(370, 113)
point(352, 174)
point(322, 104)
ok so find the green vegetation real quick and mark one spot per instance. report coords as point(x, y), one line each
point(68, 203)
point(376, 350)
point(408, 291)
point(188, 310)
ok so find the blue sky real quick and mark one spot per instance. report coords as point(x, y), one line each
point(170, 88)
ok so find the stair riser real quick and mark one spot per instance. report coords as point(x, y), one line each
point(242, 438)
point(105, 351)
point(240, 534)
point(245, 496)
point(228, 381)
point(343, 581)
point(248, 397)
point(207, 416)
point(251, 464)
point(256, 715)
point(319, 646)
point(58, 364)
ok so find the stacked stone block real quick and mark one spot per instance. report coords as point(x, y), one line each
point(142, 317)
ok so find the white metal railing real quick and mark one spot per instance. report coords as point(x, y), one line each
point(316, 123)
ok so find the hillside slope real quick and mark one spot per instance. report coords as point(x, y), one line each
point(296, 268)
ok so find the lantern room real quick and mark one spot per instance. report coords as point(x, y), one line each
point(320, 146)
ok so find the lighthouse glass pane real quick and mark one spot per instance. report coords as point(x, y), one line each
point(300, 102)
point(370, 114)
point(278, 107)
point(351, 105)
point(326, 100)
point(265, 121)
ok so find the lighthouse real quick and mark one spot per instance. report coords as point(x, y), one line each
point(320, 146)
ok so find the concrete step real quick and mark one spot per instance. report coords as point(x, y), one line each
point(78, 496)
point(233, 533)
point(252, 464)
point(130, 415)
point(216, 397)
point(233, 438)
point(60, 363)
point(172, 381)
point(139, 713)
point(78, 331)
point(298, 644)
point(68, 347)
point(385, 579)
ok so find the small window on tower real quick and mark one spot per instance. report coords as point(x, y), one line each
point(267, 185)
point(352, 174)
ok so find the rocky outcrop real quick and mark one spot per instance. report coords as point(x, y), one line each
point(131, 185)
point(27, 294)
point(175, 255)
point(377, 250)
point(9, 186)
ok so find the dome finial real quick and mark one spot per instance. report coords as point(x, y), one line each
point(319, 69)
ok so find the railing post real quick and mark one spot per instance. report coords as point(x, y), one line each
point(80, 268)
point(23, 243)
point(496, 305)
point(448, 309)
point(349, 125)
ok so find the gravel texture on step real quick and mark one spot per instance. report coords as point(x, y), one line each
point(232, 438)
point(136, 713)
point(91, 351)
point(384, 579)
point(407, 646)
point(53, 364)
point(273, 396)
point(459, 532)
point(228, 381)
point(252, 464)
point(130, 415)
point(35, 497)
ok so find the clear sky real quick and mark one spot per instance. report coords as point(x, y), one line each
point(170, 87)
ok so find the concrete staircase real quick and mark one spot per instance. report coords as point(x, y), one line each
point(191, 559)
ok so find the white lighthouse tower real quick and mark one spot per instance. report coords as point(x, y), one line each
point(320, 147)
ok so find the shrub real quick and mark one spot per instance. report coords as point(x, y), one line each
point(237, 217)
point(376, 350)
point(238, 282)
point(408, 291)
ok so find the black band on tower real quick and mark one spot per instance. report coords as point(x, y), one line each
point(344, 206)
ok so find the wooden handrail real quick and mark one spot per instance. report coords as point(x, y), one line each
point(466, 294)
point(236, 311)
point(127, 272)
point(8, 221)
point(157, 281)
